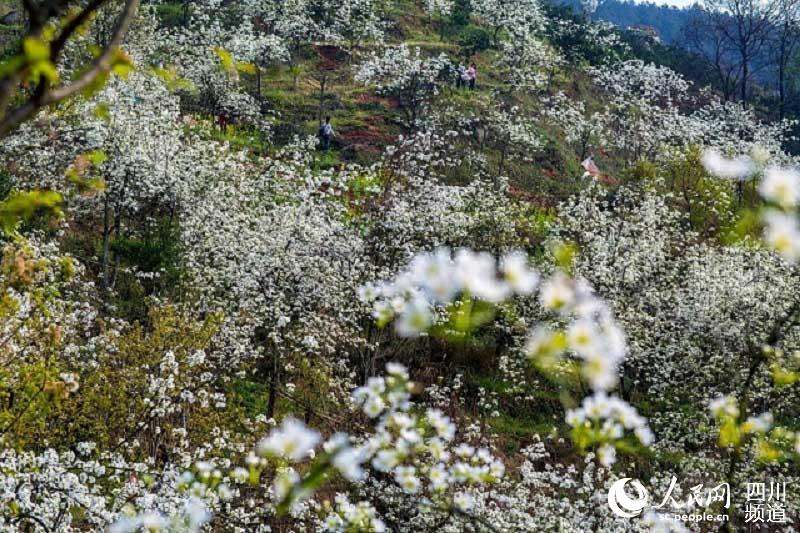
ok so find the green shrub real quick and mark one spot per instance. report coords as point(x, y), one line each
point(461, 14)
point(474, 39)
point(158, 250)
point(171, 14)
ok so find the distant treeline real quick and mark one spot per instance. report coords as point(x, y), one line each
point(748, 52)
point(668, 21)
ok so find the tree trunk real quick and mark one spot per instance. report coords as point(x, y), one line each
point(501, 166)
point(106, 239)
point(274, 383)
point(782, 60)
point(322, 84)
point(745, 74)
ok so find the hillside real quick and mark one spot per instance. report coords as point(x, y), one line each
point(407, 265)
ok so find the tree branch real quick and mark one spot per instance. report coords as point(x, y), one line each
point(100, 65)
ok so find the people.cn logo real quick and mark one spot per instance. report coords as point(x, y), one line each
point(623, 505)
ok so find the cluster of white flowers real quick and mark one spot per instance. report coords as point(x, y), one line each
point(593, 335)
point(583, 130)
point(645, 116)
point(724, 406)
point(692, 314)
point(657, 523)
point(782, 230)
point(407, 75)
point(595, 338)
point(193, 54)
point(410, 446)
point(417, 452)
point(192, 518)
point(347, 516)
point(779, 186)
point(610, 417)
point(441, 8)
point(438, 277)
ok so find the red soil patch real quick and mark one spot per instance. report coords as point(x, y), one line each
point(371, 99)
point(526, 196)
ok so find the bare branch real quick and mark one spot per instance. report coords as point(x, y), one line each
point(103, 63)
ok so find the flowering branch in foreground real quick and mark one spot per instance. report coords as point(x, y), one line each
point(441, 292)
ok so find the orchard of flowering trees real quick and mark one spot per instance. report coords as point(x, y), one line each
point(564, 297)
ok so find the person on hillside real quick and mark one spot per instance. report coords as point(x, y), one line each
point(590, 168)
point(463, 77)
point(472, 74)
point(592, 171)
point(326, 133)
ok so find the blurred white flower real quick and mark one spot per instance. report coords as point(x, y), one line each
point(738, 168)
point(782, 233)
point(293, 440)
point(781, 186)
point(517, 274)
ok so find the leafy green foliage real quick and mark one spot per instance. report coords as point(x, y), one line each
point(23, 206)
point(474, 40)
point(461, 14)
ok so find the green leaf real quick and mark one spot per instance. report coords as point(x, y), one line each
point(564, 254)
point(37, 57)
point(12, 65)
point(247, 68)
point(35, 50)
point(172, 80)
point(97, 157)
point(226, 60)
point(101, 111)
point(96, 84)
point(44, 69)
point(729, 433)
point(121, 63)
point(22, 206)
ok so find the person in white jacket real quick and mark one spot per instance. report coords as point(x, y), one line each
point(326, 133)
